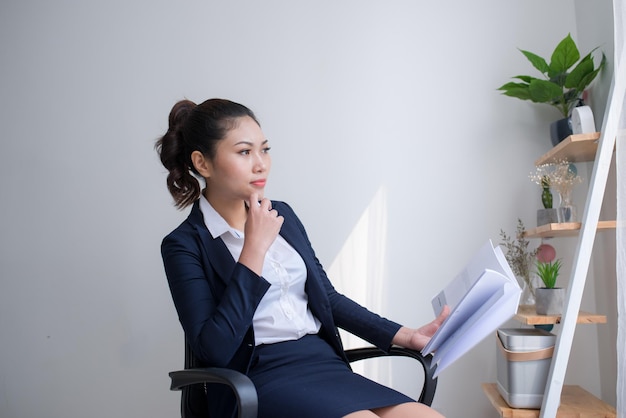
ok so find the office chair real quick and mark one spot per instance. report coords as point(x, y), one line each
point(191, 381)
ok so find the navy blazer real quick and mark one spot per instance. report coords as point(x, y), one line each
point(216, 297)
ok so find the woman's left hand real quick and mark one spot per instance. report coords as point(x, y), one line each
point(418, 338)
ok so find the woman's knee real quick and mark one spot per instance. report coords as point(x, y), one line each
point(408, 410)
point(361, 414)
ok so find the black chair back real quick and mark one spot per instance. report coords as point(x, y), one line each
point(193, 397)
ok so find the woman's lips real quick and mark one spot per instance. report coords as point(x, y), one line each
point(259, 183)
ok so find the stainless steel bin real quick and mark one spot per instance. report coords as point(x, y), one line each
point(524, 356)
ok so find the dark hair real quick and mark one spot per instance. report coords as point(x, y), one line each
point(195, 128)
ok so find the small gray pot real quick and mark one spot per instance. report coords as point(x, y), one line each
point(547, 216)
point(549, 301)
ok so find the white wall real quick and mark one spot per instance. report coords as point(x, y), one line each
point(355, 95)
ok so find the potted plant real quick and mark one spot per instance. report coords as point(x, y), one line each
point(548, 214)
point(521, 258)
point(549, 298)
point(565, 80)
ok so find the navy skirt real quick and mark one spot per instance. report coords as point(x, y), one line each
point(306, 378)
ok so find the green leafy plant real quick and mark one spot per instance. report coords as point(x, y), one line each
point(518, 255)
point(546, 194)
point(549, 272)
point(562, 85)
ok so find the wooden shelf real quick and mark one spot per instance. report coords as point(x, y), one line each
point(526, 314)
point(574, 148)
point(565, 229)
point(575, 403)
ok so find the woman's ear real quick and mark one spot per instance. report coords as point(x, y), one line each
point(201, 164)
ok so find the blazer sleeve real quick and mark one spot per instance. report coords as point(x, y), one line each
point(346, 313)
point(216, 313)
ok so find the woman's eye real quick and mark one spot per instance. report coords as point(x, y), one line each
point(267, 149)
point(244, 152)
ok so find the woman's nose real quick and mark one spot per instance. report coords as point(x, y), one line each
point(259, 164)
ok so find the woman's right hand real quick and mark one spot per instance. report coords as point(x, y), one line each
point(262, 227)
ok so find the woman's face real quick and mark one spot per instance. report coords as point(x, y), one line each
point(241, 165)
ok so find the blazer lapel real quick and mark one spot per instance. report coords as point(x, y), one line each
point(216, 254)
point(296, 239)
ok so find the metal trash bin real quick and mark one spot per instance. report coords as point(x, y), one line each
point(524, 356)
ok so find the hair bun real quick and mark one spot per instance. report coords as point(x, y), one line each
point(179, 114)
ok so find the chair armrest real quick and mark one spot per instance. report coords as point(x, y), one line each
point(241, 385)
point(430, 382)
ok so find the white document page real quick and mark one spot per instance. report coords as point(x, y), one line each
point(488, 284)
point(499, 309)
point(487, 257)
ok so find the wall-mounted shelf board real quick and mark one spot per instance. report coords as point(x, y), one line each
point(575, 403)
point(564, 229)
point(574, 149)
point(526, 314)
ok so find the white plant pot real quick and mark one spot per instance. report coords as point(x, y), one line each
point(549, 301)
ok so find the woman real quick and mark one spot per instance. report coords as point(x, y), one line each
point(249, 291)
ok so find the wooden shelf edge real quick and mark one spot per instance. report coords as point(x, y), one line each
point(574, 148)
point(575, 402)
point(527, 315)
point(564, 229)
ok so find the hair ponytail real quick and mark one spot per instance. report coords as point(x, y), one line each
point(182, 185)
point(194, 128)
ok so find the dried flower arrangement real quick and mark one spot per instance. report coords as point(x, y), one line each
point(560, 176)
point(519, 256)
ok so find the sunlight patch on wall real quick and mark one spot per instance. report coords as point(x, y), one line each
point(359, 272)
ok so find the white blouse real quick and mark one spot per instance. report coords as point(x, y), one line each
point(283, 313)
